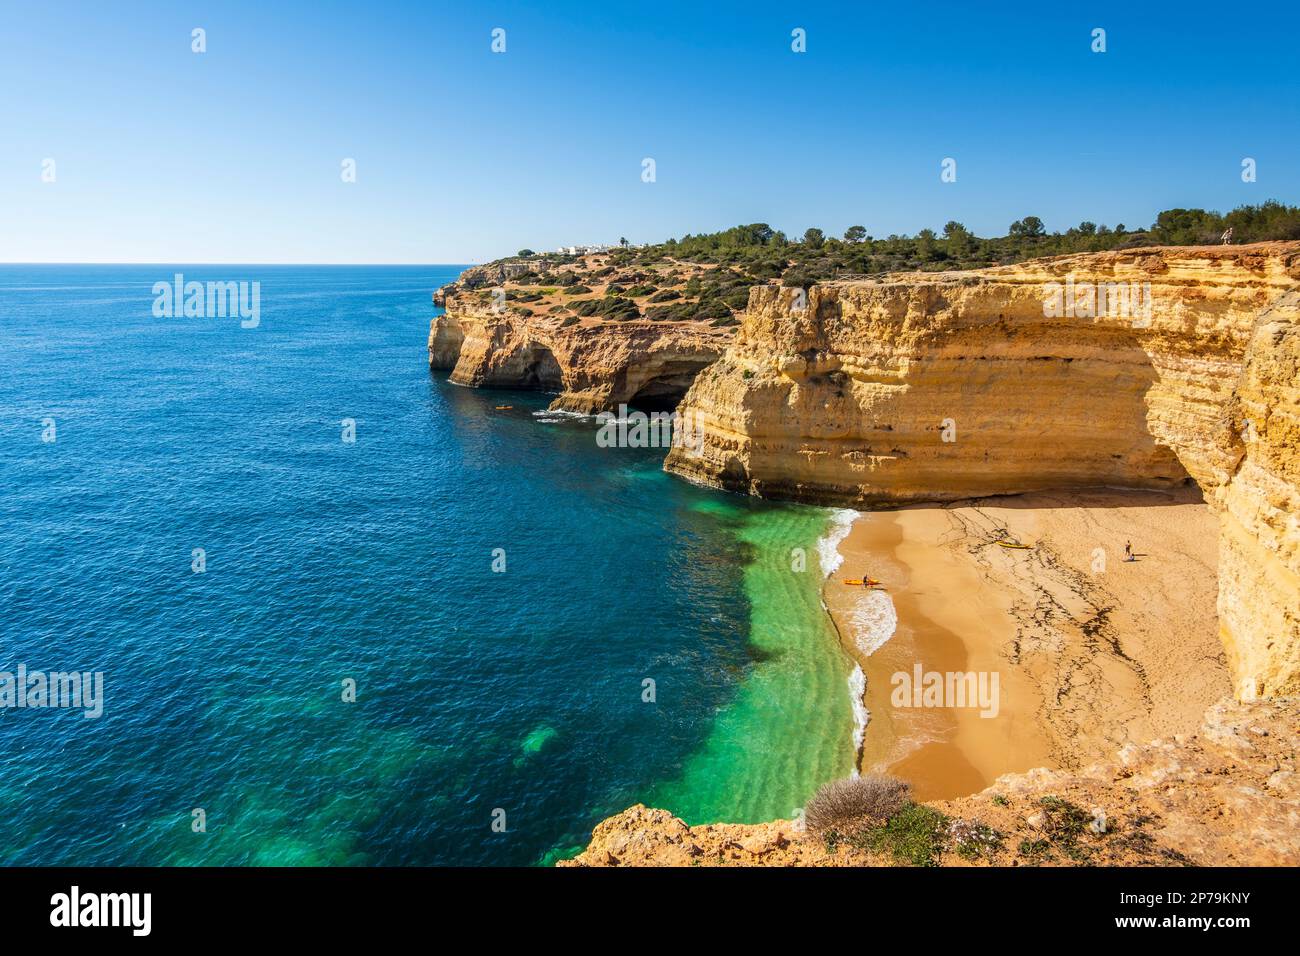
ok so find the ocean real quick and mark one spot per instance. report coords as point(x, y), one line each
point(464, 636)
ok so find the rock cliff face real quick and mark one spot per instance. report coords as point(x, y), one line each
point(1146, 368)
point(1259, 538)
point(595, 365)
point(598, 329)
point(1226, 796)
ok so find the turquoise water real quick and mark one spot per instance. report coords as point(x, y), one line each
point(371, 561)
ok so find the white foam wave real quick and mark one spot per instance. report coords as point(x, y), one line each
point(557, 413)
point(857, 688)
point(873, 621)
point(828, 546)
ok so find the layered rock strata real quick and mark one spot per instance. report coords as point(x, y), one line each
point(1145, 369)
point(593, 365)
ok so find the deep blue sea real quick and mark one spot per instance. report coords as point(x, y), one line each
point(482, 696)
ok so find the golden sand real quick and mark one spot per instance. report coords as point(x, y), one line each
point(1089, 651)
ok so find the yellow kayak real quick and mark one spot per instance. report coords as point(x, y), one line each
point(501, 407)
point(1017, 545)
point(869, 582)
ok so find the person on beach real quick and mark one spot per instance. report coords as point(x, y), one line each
point(1128, 551)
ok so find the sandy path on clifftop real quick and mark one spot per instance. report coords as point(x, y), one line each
point(1086, 661)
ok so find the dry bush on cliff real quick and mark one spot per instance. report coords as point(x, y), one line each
point(848, 806)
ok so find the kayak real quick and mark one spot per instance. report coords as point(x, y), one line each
point(500, 407)
point(1016, 545)
point(869, 582)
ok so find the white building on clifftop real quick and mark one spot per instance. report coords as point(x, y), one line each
point(584, 250)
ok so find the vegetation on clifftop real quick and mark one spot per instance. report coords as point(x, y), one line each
point(765, 253)
point(707, 277)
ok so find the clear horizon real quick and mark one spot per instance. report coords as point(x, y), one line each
point(236, 155)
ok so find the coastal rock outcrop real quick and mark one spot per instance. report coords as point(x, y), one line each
point(1226, 796)
point(1146, 368)
point(601, 330)
point(445, 340)
point(593, 365)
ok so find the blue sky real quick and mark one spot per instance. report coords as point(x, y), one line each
point(233, 155)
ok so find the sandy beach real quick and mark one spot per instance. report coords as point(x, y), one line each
point(1079, 651)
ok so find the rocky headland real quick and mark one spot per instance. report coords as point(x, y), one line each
point(582, 329)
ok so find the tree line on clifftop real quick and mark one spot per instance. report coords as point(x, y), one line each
point(760, 253)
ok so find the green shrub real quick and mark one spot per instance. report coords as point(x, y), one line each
point(711, 309)
point(610, 307)
point(914, 835)
point(1035, 851)
point(797, 279)
point(973, 840)
point(737, 298)
point(1064, 825)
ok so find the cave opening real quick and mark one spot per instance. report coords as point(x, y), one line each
point(665, 391)
point(542, 371)
point(657, 401)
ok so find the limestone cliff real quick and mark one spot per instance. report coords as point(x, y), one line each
point(1145, 368)
point(507, 327)
point(594, 365)
point(1226, 796)
point(1259, 537)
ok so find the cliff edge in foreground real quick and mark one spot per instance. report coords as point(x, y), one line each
point(1228, 795)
